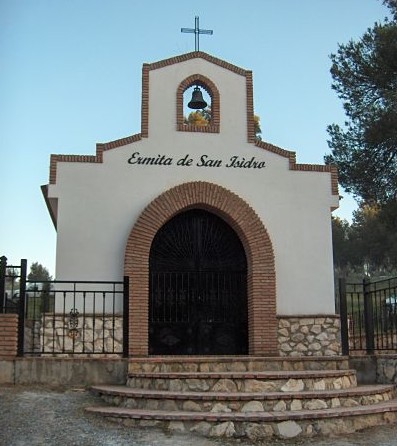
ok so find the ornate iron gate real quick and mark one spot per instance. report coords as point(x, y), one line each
point(368, 312)
point(198, 295)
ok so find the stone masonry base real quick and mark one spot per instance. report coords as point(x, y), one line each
point(257, 430)
point(309, 335)
point(297, 335)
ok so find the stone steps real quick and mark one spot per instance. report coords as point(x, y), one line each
point(258, 425)
point(235, 364)
point(291, 381)
point(124, 396)
point(252, 397)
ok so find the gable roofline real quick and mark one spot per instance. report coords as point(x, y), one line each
point(102, 147)
point(293, 165)
point(147, 67)
point(97, 158)
point(197, 55)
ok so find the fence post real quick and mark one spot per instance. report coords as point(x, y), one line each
point(344, 323)
point(126, 314)
point(368, 316)
point(22, 306)
point(3, 269)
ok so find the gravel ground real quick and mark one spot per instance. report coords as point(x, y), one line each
point(42, 416)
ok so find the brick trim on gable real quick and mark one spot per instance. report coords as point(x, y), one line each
point(145, 101)
point(98, 158)
point(261, 277)
point(204, 81)
point(333, 170)
point(250, 108)
point(101, 147)
point(196, 55)
point(214, 127)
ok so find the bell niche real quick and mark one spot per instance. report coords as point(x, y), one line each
point(197, 101)
point(198, 105)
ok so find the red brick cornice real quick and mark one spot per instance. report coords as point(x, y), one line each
point(102, 147)
point(197, 55)
point(213, 128)
point(303, 167)
point(215, 125)
point(98, 158)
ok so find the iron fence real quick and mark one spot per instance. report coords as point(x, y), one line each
point(12, 287)
point(66, 317)
point(80, 317)
point(12, 281)
point(368, 315)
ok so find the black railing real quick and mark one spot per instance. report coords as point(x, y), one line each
point(12, 294)
point(368, 315)
point(66, 317)
point(81, 317)
point(12, 278)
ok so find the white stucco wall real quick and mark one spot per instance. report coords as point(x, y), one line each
point(98, 203)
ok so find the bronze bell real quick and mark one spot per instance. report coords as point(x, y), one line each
point(197, 102)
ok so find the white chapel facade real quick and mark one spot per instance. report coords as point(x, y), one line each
point(226, 240)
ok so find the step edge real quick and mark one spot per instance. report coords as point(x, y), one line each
point(125, 391)
point(117, 412)
point(245, 375)
point(244, 358)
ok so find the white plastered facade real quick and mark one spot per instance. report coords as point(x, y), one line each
point(96, 204)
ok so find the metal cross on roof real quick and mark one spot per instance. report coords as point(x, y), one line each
point(197, 31)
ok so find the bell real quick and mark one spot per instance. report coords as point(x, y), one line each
point(197, 102)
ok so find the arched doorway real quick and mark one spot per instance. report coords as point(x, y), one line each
point(198, 288)
point(261, 273)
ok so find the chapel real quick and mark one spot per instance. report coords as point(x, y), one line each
point(226, 239)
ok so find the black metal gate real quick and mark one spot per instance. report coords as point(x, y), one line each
point(368, 312)
point(198, 292)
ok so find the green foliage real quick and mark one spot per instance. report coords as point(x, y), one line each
point(40, 299)
point(369, 245)
point(365, 78)
point(12, 278)
point(258, 130)
point(365, 150)
point(392, 5)
point(199, 117)
point(203, 118)
point(38, 273)
point(340, 240)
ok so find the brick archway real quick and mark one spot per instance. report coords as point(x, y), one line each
point(261, 277)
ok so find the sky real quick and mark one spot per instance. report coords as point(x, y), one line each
point(70, 77)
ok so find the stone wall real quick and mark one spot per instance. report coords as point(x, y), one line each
point(63, 371)
point(309, 335)
point(381, 369)
point(297, 336)
point(386, 370)
point(92, 335)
